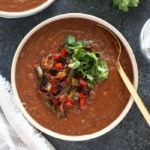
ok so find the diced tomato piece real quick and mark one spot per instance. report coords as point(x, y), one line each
point(57, 56)
point(81, 95)
point(69, 103)
point(53, 81)
point(64, 52)
point(71, 100)
point(62, 98)
point(82, 82)
point(82, 101)
point(55, 102)
point(58, 66)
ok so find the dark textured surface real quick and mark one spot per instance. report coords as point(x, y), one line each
point(132, 133)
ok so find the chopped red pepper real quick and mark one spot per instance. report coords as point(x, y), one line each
point(64, 52)
point(69, 103)
point(57, 56)
point(82, 101)
point(55, 102)
point(83, 82)
point(53, 81)
point(83, 105)
point(81, 95)
point(58, 66)
point(62, 98)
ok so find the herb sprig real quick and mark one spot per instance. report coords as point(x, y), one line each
point(86, 63)
point(125, 4)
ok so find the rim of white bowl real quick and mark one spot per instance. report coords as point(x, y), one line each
point(87, 136)
point(26, 13)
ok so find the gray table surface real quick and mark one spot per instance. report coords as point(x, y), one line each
point(132, 133)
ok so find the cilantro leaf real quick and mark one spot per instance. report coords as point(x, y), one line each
point(74, 64)
point(84, 43)
point(72, 44)
point(86, 63)
point(70, 39)
point(125, 4)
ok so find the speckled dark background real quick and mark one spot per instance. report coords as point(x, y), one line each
point(132, 133)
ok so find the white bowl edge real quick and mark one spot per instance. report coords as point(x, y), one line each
point(118, 119)
point(26, 13)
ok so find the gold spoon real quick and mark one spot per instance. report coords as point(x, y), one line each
point(128, 83)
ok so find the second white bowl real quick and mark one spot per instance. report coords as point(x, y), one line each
point(26, 13)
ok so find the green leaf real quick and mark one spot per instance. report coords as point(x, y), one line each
point(125, 4)
point(84, 43)
point(74, 64)
point(70, 39)
point(90, 77)
point(93, 55)
point(90, 84)
point(133, 3)
point(87, 63)
point(76, 96)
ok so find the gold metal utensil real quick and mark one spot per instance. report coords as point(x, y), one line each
point(128, 83)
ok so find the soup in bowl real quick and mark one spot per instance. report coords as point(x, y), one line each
point(65, 79)
point(22, 8)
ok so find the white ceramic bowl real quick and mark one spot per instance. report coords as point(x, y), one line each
point(26, 13)
point(118, 119)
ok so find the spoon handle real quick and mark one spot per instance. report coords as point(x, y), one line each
point(134, 94)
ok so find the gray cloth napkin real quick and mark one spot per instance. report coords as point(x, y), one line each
point(15, 131)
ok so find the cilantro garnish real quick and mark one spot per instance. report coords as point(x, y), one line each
point(125, 4)
point(85, 62)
